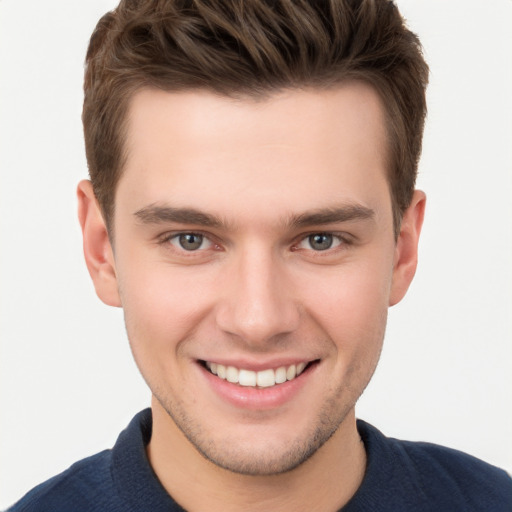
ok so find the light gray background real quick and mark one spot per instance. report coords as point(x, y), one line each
point(68, 383)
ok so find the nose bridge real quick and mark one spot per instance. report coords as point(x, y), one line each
point(258, 304)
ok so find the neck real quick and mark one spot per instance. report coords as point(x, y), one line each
point(326, 481)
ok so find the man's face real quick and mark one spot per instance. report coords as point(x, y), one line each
point(256, 238)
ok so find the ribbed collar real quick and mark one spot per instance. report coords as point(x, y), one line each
point(135, 480)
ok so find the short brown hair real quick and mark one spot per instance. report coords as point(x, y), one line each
point(252, 47)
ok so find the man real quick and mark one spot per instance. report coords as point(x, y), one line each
point(252, 209)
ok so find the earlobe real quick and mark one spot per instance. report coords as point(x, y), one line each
point(98, 252)
point(406, 251)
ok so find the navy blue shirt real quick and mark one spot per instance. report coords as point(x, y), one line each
point(400, 476)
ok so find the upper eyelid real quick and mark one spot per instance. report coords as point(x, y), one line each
point(168, 235)
point(164, 241)
point(343, 243)
point(342, 235)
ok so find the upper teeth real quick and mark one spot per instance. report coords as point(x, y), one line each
point(263, 378)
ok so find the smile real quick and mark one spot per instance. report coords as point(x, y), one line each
point(263, 379)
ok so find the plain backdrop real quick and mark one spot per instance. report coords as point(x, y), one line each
point(68, 383)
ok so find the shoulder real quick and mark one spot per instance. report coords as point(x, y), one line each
point(120, 479)
point(458, 474)
point(86, 485)
point(441, 477)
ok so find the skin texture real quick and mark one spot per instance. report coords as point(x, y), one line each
point(255, 293)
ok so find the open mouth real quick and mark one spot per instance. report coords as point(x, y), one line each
point(261, 379)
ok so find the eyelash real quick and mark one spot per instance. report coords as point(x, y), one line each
point(343, 242)
point(168, 237)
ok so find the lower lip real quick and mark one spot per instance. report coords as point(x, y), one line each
point(258, 399)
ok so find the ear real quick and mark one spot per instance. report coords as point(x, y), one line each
point(98, 252)
point(406, 251)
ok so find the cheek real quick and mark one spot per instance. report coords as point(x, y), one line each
point(355, 319)
point(162, 305)
point(353, 294)
point(352, 308)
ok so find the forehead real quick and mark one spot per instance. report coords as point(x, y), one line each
point(288, 147)
point(287, 115)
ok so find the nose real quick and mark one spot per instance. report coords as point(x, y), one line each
point(258, 303)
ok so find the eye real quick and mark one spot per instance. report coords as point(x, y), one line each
point(320, 242)
point(190, 241)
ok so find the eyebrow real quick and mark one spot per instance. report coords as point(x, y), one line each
point(156, 214)
point(346, 213)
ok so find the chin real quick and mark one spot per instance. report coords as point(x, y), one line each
point(262, 458)
point(258, 450)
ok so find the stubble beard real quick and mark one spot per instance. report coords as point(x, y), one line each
point(261, 457)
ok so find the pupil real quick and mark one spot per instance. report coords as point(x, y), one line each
point(191, 241)
point(320, 242)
